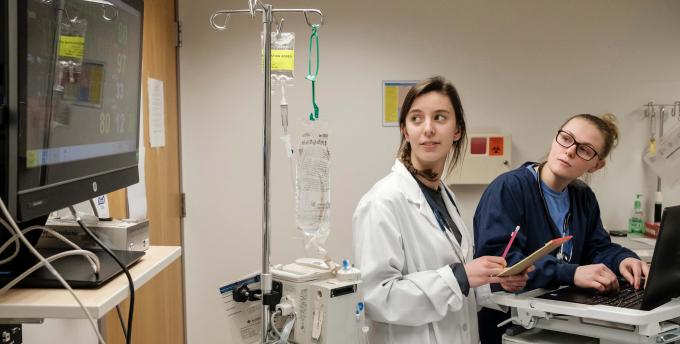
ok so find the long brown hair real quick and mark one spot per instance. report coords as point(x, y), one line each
point(440, 85)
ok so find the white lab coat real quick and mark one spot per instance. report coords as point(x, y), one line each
point(410, 292)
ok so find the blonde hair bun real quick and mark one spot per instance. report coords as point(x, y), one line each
point(610, 120)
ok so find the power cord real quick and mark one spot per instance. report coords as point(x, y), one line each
point(16, 243)
point(52, 270)
point(120, 316)
point(94, 260)
point(128, 336)
point(41, 264)
point(120, 319)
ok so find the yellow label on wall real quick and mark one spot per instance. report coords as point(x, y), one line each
point(71, 46)
point(391, 102)
point(394, 93)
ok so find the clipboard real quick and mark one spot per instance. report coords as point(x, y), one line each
point(538, 254)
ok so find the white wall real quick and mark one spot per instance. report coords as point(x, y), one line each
point(521, 67)
point(72, 331)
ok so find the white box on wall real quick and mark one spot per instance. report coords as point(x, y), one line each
point(486, 156)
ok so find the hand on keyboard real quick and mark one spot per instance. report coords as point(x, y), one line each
point(596, 276)
point(634, 270)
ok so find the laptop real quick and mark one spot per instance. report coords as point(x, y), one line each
point(662, 282)
point(76, 270)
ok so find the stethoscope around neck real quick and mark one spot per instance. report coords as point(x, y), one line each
point(561, 256)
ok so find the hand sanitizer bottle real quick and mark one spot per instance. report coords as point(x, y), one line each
point(636, 223)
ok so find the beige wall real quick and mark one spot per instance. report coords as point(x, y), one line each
point(522, 67)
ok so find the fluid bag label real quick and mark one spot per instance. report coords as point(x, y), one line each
point(313, 183)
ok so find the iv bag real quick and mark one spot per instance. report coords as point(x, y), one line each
point(313, 193)
point(282, 56)
point(70, 52)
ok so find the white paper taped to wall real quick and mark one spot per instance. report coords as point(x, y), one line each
point(136, 194)
point(665, 162)
point(156, 112)
point(244, 318)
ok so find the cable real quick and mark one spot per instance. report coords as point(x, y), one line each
point(16, 246)
point(281, 337)
point(120, 319)
point(131, 286)
point(39, 265)
point(128, 337)
point(94, 208)
point(120, 316)
point(287, 328)
point(273, 335)
point(276, 330)
point(49, 266)
point(94, 260)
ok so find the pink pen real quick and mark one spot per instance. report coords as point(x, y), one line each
point(512, 238)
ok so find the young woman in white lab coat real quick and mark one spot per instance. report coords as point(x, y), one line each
point(420, 282)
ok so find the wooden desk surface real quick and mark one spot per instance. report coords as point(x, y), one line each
point(59, 303)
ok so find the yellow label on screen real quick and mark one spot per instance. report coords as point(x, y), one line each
point(95, 76)
point(31, 158)
point(71, 46)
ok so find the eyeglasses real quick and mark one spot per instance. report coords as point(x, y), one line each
point(583, 150)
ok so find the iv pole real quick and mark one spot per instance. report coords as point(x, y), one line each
point(268, 298)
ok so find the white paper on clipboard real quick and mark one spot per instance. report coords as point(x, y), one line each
point(665, 162)
point(244, 318)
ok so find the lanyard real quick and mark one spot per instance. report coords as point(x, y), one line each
point(444, 227)
point(437, 214)
point(561, 255)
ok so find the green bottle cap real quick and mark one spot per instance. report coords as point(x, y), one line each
point(638, 204)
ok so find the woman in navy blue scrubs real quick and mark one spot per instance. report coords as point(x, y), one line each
point(548, 201)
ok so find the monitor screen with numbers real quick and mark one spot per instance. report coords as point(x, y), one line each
point(70, 84)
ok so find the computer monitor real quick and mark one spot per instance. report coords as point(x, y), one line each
point(70, 102)
point(664, 274)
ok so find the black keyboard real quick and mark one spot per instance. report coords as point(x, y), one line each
point(627, 297)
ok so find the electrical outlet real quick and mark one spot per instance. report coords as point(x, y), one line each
point(10, 334)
